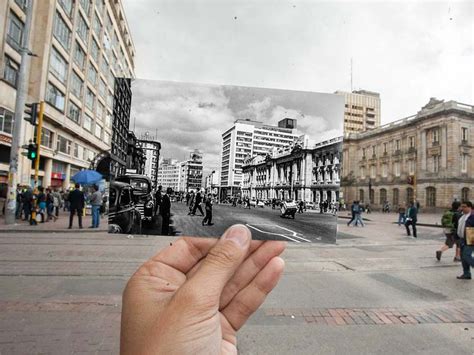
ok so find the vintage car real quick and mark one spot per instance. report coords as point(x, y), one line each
point(288, 209)
point(143, 194)
point(254, 203)
point(124, 216)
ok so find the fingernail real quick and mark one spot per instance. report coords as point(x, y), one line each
point(239, 234)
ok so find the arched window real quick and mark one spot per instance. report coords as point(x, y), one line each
point(465, 194)
point(410, 195)
point(372, 196)
point(383, 196)
point(430, 197)
point(361, 195)
point(395, 197)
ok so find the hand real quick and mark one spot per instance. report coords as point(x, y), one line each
point(193, 296)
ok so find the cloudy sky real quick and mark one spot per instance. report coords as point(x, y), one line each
point(185, 116)
point(408, 51)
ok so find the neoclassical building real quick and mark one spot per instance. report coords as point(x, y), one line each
point(426, 157)
point(300, 172)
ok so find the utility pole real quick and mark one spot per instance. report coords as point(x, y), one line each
point(21, 94)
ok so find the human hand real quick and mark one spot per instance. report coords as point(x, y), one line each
point(193, 296)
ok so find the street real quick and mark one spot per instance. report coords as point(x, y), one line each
point(265, 223)
point(376, 291)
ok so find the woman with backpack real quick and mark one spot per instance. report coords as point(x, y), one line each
point(449, 221)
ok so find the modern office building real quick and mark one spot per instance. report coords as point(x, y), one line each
point(361, 110)
point(169, 174)
point(250, 138)
point(302, 171)
point(182, 176)
point(151, 148)
point(79, 48)
point(427, 157)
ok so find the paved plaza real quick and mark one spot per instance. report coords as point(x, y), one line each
point(375, 291)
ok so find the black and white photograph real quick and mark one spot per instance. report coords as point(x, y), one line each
point(202, 157)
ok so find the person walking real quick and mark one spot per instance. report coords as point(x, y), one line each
point(19, 207)
point(66, 205)
point(465, 226)
point(191, 202)
point(300, 206)
point(208, 207)
point(449, 222)
point(96, 203)
point(42, 205)
point(354, 208)
point(197, 204)
point(76, 205)
point(358, 215)
point(27, 200)
point(401, 214)
point(50, 205)
point(165, 212)
point(57, 201)
point(412, 217)
point(158, 200)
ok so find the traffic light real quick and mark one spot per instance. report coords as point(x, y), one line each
point(31, 113)
point(31, 151)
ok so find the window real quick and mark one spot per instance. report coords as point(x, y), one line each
point(104, 66)
point(384, 170)
point(465, 194)
point(362, 172)
point(108, 120)
point(363, 152)
point(383, 196)
point(6, 120)
point(86, 5)
point(464, 134)
point(15, 30)
point(58, 65)
point(111, 78)
point(95, 51)
point(410, 195)
point(373, 171)
point(395, 195)
point(10, 72)
point(396, 168)
point(373, 150)
point(78, 151)
point(397, 144)
point(96, 26)
point(74, 112)
point(110, 100)
point(22, 4)
point(98, 131)
point(46, 137)
point(92, 74)
point(385, 148)
point(61, 32)
point(106, 137)
point(411, 167)
point(436, 161)
point(464, 161)
point(76, 85)
point(100, 6)
point(411, 141)
point(90, 98)
point(430, 197)
point(82, 29)
point(102, 88)
point(55, 97)
point(85, 155)
point(64, 145)
point(88, 122)
point(361, 195)
point(100, 110)
point(79, 56)
point(435, 136)
point(67, 6)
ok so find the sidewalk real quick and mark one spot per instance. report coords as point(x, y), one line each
point(424, 219)
point(61, 225)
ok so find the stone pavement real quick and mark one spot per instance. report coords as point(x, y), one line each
point(61, 225)
point(375, 291)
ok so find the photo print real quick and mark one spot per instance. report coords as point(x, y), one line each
point(194, 159)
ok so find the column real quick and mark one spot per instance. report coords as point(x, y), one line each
point(66, 182)
point(48, 170)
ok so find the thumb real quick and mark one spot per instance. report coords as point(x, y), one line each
point(221, 263)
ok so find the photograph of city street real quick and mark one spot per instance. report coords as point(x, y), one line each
point(201, 158)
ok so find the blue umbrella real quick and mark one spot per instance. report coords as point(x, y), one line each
point(87, 177)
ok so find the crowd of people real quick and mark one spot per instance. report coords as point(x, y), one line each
point(44, 204)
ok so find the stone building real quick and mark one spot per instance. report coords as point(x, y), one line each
point(302, 171)
point(427, 157)
point(80, 46)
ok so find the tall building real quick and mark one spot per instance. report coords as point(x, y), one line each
point(361, 110)
point(308, 172)
point(135, 155)
point(250, 138)
point(151, 148)
point(182, 176)
point(80, 47)
point(169, 174)
point(427, 157)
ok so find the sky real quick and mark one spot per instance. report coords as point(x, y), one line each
point(188, 116)
point(408, 51)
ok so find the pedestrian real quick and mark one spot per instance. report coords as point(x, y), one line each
point(66, 206)
point(158, 200)
point(208, 207)
point(165, 212)
point(76, 205)
point(273, 203)
point(96, 203)
point(321, 207)
point(248, 202)
point(42, 205)
point(300, 206)
point(50, 205)
point(354, 208)
point(411, 219)
point(187, 198)
point(466, 233)
point(449, 222)
point(191, 202)
point(358, 215)
point(57, 201)
point(401, 214)
point(19, 206)
point(197, 204)
point(27, 200)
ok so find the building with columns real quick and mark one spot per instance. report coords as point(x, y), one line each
point(80, 47)
point(427, 157)
point(302, 171)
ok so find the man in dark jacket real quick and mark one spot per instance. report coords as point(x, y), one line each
point(412, 216)
point(465, 226)
point(165, 212)
point(77, 203)
point(197, 204)
point(208, 219)
point(158, 199)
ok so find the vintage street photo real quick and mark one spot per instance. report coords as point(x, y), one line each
point(194, 159)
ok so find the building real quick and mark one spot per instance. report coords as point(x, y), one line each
point(211, 183)
point(181, 176)
point(135, 155)
point(250, 138)
point(427, 157)
point(169, 174)
point(361, 110)
point(308, 172)
point(151, 148)
point(80, 47)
